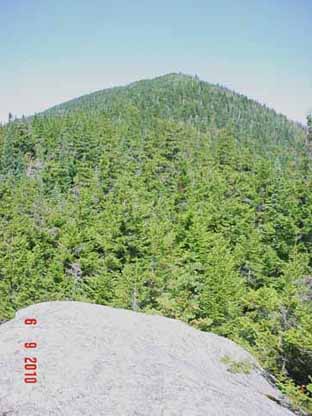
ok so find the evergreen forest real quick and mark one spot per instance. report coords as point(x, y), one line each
point(169, 196)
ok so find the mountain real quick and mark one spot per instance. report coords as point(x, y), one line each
point(169, 196)
point(180, 97)
point(93, 360)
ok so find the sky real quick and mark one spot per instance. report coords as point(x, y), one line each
point(52, 50)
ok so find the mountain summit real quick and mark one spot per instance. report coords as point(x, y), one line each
point(186, 98)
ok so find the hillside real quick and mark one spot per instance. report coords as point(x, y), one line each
point(169, 196)
point(185, 98)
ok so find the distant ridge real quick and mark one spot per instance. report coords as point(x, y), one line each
point(186, 98)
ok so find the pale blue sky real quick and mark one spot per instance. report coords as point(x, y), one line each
point(53, 50)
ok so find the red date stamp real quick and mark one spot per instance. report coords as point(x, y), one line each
point(30, 363)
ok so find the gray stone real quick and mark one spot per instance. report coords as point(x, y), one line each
point(99, 361)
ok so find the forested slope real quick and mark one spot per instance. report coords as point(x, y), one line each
point(185, 98)
point(170, 196)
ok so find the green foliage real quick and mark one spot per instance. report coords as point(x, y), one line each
point(237, 367)
point(169, 196)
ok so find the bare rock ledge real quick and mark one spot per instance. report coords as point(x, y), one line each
point(99, 361)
